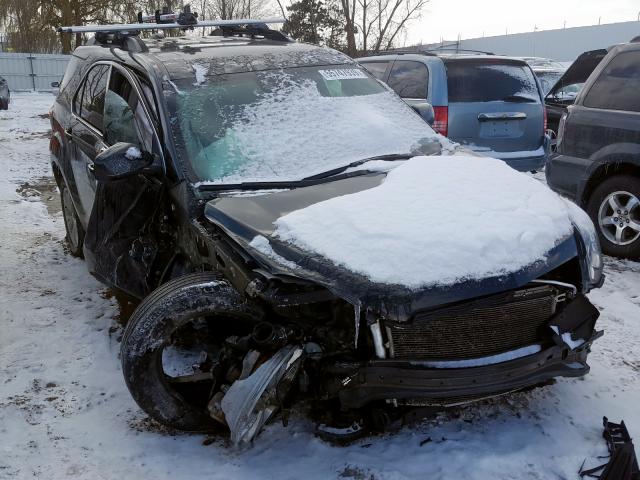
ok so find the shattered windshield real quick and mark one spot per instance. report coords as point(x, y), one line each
point(287, 124)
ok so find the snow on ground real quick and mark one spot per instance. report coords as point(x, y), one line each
point(494, 221)
point(65, 412)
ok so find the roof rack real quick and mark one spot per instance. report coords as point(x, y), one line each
point(251, 30)
point(185, 20)
point(407, 52)
point(457, 50)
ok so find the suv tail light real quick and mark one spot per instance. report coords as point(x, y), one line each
point(561, 125)
point(544, 128)
point(441, 120)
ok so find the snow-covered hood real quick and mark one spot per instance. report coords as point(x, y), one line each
point(442, 224)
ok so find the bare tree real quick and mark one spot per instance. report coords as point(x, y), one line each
point(230, 9)
point(380, 22)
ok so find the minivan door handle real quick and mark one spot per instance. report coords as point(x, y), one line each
point(485, 117)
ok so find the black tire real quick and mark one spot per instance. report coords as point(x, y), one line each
point(618, 183)
point(4, 104)
point(163, 312)
point(72, 225)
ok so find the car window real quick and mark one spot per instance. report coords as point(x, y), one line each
point(618, 86)
point(377, 69)
point(486, 80)
point(548, 80)
point(93, 92)
point(409, 79)
point(124, 117)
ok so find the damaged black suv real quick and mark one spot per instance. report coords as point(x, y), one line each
point(190, 171)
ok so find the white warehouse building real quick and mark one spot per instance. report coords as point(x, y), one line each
point(563, 45)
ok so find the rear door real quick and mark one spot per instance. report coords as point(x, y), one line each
point(494, 104)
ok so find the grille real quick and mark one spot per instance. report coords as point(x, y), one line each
point(475, 329)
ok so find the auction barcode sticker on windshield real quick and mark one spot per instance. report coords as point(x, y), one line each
point(342, 74)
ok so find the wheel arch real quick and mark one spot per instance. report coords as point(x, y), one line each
point(628, 166)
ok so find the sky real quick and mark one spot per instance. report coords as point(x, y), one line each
point(446, 19)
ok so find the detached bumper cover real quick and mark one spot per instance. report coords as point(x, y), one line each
point(405, 380)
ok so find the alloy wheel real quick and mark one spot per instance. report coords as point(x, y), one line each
point(619, 218)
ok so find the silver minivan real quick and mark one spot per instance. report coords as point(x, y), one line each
point(491, 104)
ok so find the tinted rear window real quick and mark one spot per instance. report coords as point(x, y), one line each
point(618, 86)
point(488, 81)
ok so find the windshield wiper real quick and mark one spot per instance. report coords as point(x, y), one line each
point(330, 173)
point(324, 177)
point(518, 99)
point(277, 185)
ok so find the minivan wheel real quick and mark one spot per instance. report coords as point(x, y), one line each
point(174, 332)
point(75, 232)
point(614, 208)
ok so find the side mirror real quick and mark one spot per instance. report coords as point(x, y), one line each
point(425, 110)
point(120, 161)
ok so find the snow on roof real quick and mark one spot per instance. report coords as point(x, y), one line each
point(435, 221)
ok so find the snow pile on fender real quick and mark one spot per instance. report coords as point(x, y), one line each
point(435, 221)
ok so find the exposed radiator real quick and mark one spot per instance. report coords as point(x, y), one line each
point(477, 328)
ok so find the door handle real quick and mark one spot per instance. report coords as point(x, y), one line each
point(91, 167)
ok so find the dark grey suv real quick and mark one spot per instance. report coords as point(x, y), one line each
point(178, 159)
point(492, 105)
point(598, 156)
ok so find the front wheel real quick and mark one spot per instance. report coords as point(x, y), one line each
point(614, 208)
point(182, 324)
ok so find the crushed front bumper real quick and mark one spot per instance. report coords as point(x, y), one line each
point(407, 381)
point(427, 382)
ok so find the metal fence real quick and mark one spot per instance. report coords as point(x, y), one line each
point(32, 71)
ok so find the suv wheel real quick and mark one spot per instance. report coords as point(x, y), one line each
point(614, 208)
point(166, 338)
point(75, 232)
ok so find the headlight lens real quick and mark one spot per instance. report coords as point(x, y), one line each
point(587, 230)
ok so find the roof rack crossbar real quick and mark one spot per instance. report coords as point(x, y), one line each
point(135, 27)
point(252, 30)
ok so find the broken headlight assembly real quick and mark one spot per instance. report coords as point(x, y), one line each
point(589, 239)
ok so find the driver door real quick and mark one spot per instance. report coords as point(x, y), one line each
point(85, 133)
point(121, 244)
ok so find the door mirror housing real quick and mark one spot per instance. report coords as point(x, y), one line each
point(121, 160)
point(425, 110)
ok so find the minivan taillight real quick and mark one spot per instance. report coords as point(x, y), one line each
point(441, 120)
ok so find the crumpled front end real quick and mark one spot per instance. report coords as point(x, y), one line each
point(472, 350)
